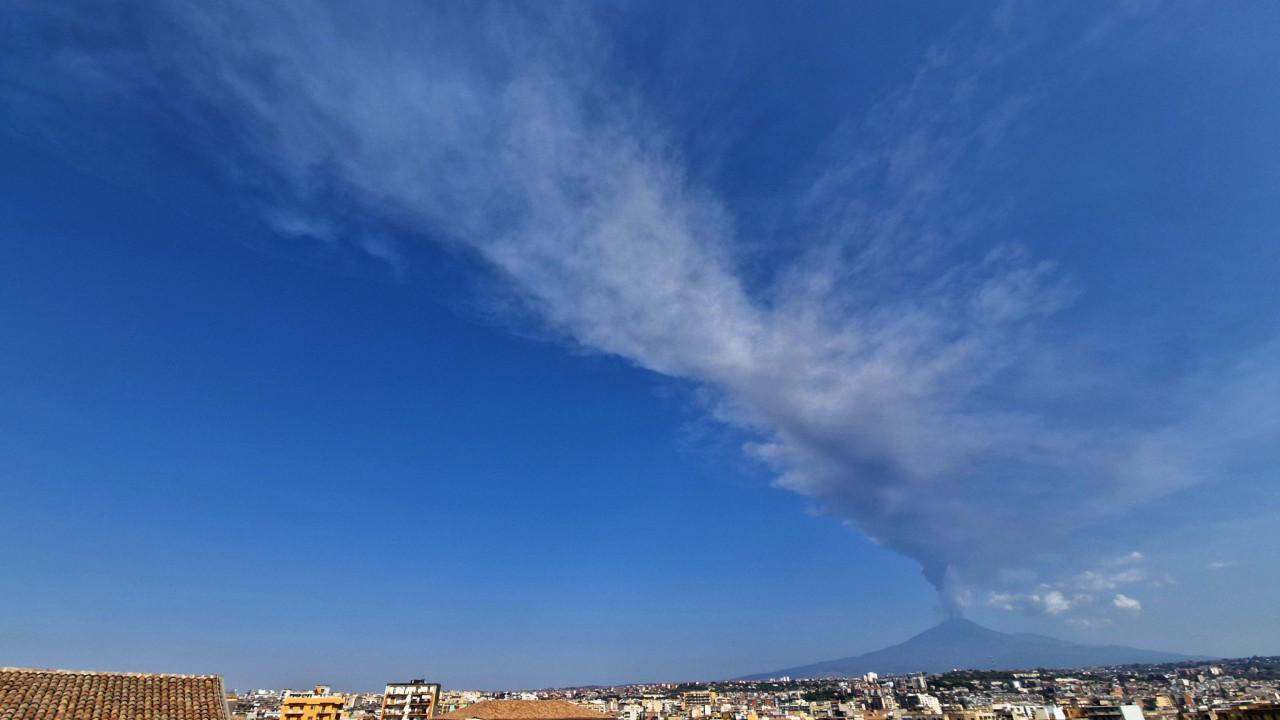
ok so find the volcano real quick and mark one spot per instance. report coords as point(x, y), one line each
point(966, 645)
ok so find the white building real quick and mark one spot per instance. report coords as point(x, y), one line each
point(414, 700)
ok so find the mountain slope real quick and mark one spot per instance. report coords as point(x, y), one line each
point(963, 644)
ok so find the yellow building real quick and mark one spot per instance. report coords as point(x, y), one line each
point(314, 706)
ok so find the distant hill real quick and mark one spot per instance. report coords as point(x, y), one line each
point(966, 645)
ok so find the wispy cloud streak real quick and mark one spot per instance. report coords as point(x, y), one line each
point(867, 374)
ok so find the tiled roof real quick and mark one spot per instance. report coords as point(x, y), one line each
point(524, 710)
point(67, 695)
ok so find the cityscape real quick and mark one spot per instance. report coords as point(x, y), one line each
point(1241, 689)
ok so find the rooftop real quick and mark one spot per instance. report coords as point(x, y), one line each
point(523, 710)
point(27, 694)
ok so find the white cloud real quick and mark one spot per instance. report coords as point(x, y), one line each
point(1073, 594)
point(1003, 601)
point(1130, 559)
point(384, 248)
point(1052, 602)
point(1047, 601)
point(1219, 565)
point(1126, 603)
point(1097, 581)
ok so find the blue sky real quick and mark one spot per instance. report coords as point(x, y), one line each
point(517, 346)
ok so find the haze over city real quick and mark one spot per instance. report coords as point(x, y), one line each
point(528, 345)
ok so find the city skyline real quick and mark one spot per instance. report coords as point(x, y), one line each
point(1243, 689)
point(533, 346)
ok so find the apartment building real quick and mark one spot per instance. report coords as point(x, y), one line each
point(414, 700)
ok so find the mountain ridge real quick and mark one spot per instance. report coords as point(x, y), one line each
point(960, 644)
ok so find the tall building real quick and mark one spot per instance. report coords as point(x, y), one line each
point(924, 701)
point(699, 700)
point(883, 701)
point(414, 700)
point(318, 705)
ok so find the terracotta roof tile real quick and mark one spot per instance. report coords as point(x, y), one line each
point(523, 710)
point(67, 695)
